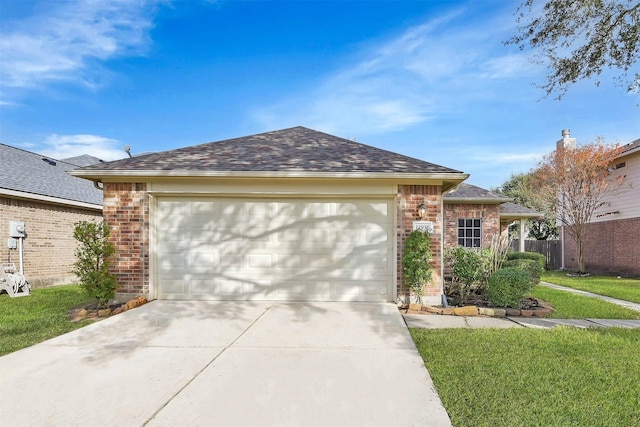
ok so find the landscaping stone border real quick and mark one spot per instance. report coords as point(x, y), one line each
point(543, 310)
point(79, 314)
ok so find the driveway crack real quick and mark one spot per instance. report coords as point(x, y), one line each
point(164, 405)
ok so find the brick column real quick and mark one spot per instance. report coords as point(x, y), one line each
point(126, 210)
point(409, 198)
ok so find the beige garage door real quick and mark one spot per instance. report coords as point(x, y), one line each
point(286, 250)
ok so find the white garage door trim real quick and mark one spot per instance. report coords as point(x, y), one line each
point(288, 249)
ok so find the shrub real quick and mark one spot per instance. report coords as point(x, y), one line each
point(92, 260)
point(466, 271)
point(532, 267)
point(416, 262)
point(528, 255)
point(508, 286)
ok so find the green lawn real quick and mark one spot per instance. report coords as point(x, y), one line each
point(611, 286)
point(572, 306)
point(533, 377)
point(28, 320)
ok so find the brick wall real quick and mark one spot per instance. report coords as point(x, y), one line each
point(610, 247)
point(489, 214)
point(409, 198)
point(49, 246)
point(126, 210)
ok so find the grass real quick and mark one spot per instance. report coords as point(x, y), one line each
point(533, 377)
point(28, 320)
point(572, 306)
point(623, 288)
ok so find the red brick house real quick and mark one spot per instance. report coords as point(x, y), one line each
point(38, 191)
point(294, 214)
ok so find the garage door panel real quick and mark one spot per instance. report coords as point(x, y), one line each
point(325, 250)
point(204, 286)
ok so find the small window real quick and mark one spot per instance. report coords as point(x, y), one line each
point(469, 232)
point(620, 165)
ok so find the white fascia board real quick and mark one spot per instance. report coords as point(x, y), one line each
point(107, 174)
point(628, 152)
point(48, 199)
point(522, 215)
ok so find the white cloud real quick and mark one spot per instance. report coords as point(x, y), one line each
point(65, 146)
point(508, 158)
point(66, 41)
point(424, 73)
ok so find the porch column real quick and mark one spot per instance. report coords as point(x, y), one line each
point(521, 221)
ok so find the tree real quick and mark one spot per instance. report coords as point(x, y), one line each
point(92, 260)
point(518, 188)
point(580, 39)
point(574, 182)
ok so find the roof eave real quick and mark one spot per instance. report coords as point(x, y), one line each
point(94, 175)
point(49, 199)
point(483, 200)
point(518, 216)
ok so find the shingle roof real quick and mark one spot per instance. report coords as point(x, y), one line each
point(32, 173)
point(296, 149)
point(84, 160)
point(511, 209)
point(630, 146)
point(471, 194)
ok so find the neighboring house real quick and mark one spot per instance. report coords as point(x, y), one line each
point(473, 215)
point(611, 239)
point(37, 190)
point(294, 214)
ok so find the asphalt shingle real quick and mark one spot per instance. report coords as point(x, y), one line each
point(33, 173)
point(468, 192)
point(296, 149)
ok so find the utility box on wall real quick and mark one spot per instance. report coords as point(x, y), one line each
point(12, 243)
point(17, 229)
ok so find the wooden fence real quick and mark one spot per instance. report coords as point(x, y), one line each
point(551, 249)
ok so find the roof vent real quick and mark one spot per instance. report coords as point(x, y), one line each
point(51, 162)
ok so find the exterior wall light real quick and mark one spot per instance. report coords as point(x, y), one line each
point(422, 211)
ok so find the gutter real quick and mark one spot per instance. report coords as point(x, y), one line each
point(49, 199)
point(99, 175)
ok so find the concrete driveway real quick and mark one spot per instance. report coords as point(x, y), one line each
point(191, 363)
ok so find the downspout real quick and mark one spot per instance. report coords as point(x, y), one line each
point(98, 184)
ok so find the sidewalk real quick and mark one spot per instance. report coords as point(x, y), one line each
point(434, 321)
point(627, 304)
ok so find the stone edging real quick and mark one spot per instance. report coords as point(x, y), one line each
point(471, 310)
point(83, 314)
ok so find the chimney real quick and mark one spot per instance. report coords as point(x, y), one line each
point(566, 141)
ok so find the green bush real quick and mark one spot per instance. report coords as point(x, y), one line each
point(416, 262)
point(92, 260)
point(508, 286)
point(467, 271)
point(532, 267)
point(528, 255)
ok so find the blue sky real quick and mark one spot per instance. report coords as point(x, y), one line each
point(428, 79)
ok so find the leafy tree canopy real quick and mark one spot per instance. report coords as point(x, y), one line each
point(519, 188)
point(580, 39)
point(575, 182)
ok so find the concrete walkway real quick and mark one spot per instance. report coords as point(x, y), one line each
point(442, 322)
point(198, 363)
point(627, 304)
